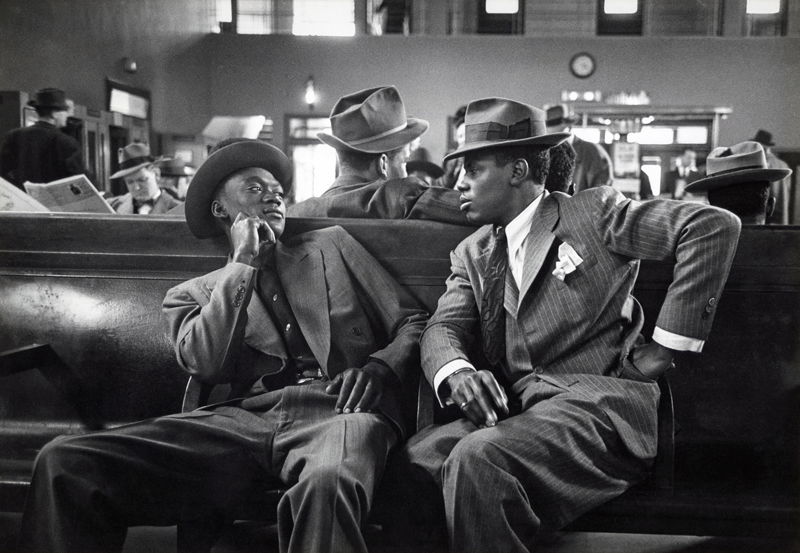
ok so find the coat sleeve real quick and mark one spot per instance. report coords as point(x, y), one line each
point(454, 325)
point(396, 311)
point(207, 330)
point(700, 239)
point(71, 156)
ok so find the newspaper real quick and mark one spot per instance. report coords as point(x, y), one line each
point(14, 199)
point(75, 194)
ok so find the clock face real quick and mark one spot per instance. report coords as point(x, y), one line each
point(582, 65)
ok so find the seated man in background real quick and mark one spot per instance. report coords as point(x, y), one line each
point(740, 180)
point(592, 162)
point(537, 338)
point(315, 339)
point(371, 134)
point(175, 178)
point(42, 152)
point(140, 172)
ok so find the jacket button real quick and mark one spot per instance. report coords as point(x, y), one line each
point(712, 301)
point(288, 327)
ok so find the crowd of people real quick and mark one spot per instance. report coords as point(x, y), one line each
point(536, 340)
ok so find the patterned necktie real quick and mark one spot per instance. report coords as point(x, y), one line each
point(493, 316)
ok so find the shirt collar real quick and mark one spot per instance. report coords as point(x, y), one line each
point(520, 226)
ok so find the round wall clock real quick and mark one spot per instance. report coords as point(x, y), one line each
point(582, 65)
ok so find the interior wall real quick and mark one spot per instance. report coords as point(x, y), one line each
point(757, 77)
point(76, 44)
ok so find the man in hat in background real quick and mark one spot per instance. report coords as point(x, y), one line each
point(781, 189)
point(592, 162)
point(315, 339)
point(685, 172)
point(740, 180)
point(141, 172)
point(371, 135)
point(175, 177)
point(42, 152)
point(537, 337)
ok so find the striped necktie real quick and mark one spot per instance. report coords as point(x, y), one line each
point(493, 317)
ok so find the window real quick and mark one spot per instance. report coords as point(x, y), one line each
point(298, 17)
point(503, 19)
point(765, 18)
point(324, 17)
point(619, 17)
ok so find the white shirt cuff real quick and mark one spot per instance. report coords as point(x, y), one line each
point(445, 371)
point(676, 341)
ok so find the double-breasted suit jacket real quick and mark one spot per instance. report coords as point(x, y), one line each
point(407, 198)
point(349, 309)
point(578, 332)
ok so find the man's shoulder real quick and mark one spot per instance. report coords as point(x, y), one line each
point(318, 238)
point(475, 242)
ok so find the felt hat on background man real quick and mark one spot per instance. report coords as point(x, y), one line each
point(560, 114)
point(133, 157)
point(234, 156)
point(424, 166)
point(498, 122)
point(54, 98)
point(763, 137)
point(176, 167)
point(372, 121)
point(740, 163)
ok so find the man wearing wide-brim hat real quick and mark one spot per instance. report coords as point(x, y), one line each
point(559, 404)
point(781, 189)
point(592, 163)
point(42, 152)
point(738, 178)
point(371, 134)
point(176, 177)
point(315, 339)
point(141, 173)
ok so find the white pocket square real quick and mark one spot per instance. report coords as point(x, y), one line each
point(568, 261)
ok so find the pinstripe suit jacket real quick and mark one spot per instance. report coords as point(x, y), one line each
point(577, 333)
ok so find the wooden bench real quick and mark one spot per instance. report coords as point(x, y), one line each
point(88, 290)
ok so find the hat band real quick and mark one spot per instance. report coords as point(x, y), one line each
point(478, 132)
point(733, 170)
point(378, 136)
point(134, 161)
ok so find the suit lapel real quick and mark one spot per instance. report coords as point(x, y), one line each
point(302, 275)
point(540, 239)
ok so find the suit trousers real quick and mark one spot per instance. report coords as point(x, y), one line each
point(555, 457)
point(88, 489)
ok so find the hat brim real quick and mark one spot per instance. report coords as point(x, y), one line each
point(218, 166)
point(60, 107)
point(425, 166)
point(414, 128)
point(549, 140)
point(129, 170)
point(737, 177)
point(561, 121)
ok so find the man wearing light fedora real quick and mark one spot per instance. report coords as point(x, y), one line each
point(559, 398)
point(739, 179)
point(314, 338)
point(42, 152)
point(781, 189)
point(371, 135)
point(592, 162)
point(141, 172)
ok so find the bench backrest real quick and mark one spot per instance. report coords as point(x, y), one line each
point(92, 288)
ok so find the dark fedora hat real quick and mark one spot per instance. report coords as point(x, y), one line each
point(743, 162)
point(559, 114)
point(498, 122)
point(424, 166)
point(49, 98)
point(228, 159)
point(176, 167)
point(372, 121)
point(133, 157)
point(763, 137)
